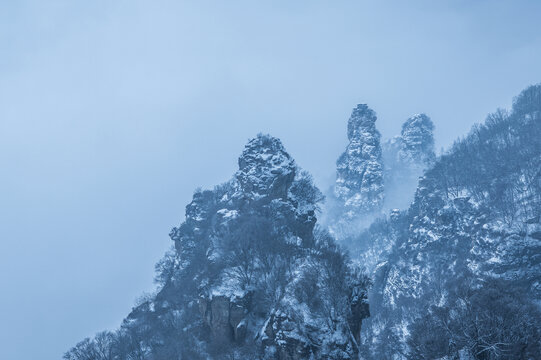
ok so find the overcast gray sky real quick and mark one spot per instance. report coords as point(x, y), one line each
point(113, 112)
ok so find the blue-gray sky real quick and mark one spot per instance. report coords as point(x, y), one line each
point(113, 112)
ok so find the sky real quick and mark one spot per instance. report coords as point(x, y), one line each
point(113, 112)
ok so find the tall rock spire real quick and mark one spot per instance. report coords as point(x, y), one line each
point(359, 180)
point(406, 157)
point(417, 140)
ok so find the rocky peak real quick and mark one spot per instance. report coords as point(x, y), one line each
point(266, 170)
point(417, 140)
point(362, 120)
point(359, 181)
point(251, 273)
point(468, 232)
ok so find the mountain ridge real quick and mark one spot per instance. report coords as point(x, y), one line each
point(455, 275)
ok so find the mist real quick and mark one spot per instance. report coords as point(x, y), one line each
point(112, 113)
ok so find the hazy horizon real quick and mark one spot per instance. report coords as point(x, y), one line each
point(111, 114)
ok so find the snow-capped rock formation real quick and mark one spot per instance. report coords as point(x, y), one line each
point(417, 140)
point(406, 157)
point(456, 274)
point(249, 276)
point(359, 180)
point(265, 169)
point(467, 252)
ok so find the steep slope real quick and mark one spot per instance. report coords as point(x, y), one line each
point(373, 179)
point(463, 265)
point(249, 277)
point(406, 157)
point(359, 170)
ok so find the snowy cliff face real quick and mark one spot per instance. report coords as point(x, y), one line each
point(374, 181)
point(467, 252)
point(456, 272)
point(417, 140)
point(265, 169)
point(249, 276)
point(359, 180)
point(406, 157)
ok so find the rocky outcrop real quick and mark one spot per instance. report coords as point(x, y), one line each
point(472, 229)
point(265, 169)
point(359, 180)
point(225, 318)
point(406, 157)
point(249, 277)
point(281, 330)
point(417, 140)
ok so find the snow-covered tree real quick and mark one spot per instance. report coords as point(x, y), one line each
point(250, 277)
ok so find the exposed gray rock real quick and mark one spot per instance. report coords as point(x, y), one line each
point(406, 157)
point(417, 140)
point(359, 181)
point(265, 169)
point(225, 318)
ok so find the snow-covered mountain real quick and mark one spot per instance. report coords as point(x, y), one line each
point(455, 269)
point(373, 179)
point(458, 273)
point(249, 277)
point(406, 157)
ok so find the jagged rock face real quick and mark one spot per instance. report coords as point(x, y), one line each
point(475, 216)
point(413, 148)
point(359, 182)
point(257, 233)
point(280, 328)
point(417, 140)
point(249, 276)
point(265, 168)
point(225, 317)
point(406, 157)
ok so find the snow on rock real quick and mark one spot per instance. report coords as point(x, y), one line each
point(265, 168)
point(406, 157)
point(249, 276)
point(359, 181)
point(474, 219)
point(417, 140)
